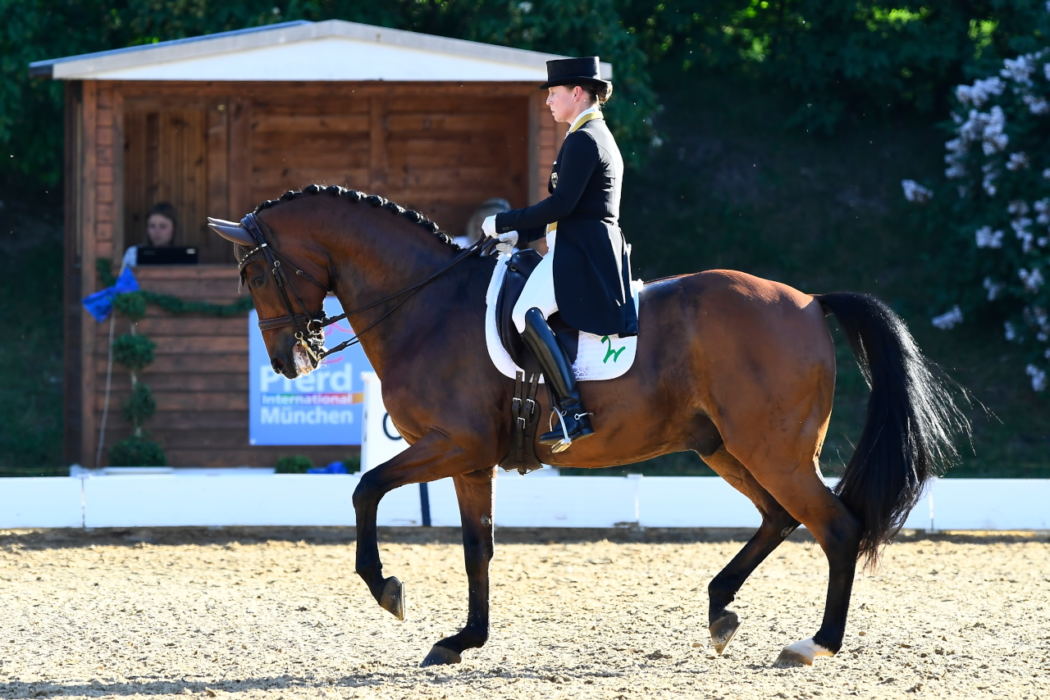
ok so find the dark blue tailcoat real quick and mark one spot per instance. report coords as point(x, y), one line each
point(593, 294)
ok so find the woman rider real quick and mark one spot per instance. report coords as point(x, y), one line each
point(585, 274)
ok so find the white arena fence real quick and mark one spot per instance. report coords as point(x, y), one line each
point(250, 497)
point(182, 497)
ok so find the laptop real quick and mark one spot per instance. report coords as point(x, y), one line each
point(167, 255)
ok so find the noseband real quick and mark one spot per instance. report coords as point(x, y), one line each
point(309, 328)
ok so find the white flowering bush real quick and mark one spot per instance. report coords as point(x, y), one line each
point(996, 199)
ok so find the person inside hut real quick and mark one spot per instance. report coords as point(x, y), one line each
point(472, 233)
point(585, 274)
point(160, 232)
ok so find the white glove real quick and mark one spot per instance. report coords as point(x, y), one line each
point(488, 226)
point(507, 241)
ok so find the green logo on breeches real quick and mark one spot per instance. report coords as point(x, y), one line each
point(609, 352)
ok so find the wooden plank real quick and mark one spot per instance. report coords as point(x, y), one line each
point(105, 136)
point(104, 232)
point(103, 173)
point(437, 101)
point(135, 177)
point(326, 100)
point(193, 420)
point(270, 184)
point(431, 121)
point(516, 145)
point(302, 147)
point(86, 196)
point(184, 162)
point(219, 363)
point(160, 383)
point(186, 401)
point(168, 345)
point(73, 314)
point(309, 122)
point(217, 197)
point(119, 234)
point(161, 96)
point(228, 438)
point(461, 177)
point(195, 326)
point(182, 279)
point(189, 273)
point(240, 155)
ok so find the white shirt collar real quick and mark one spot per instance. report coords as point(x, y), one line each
point(581, 115)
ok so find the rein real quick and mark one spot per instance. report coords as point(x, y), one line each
point(309, 327)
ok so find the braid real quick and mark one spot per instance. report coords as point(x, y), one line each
point(374, 200)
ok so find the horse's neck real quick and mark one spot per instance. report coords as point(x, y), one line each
point(385, 268)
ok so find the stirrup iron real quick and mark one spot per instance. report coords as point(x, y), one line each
point(566, 441)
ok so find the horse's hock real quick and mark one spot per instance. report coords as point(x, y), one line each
point(221, 122)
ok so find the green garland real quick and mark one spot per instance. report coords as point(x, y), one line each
point(135, 351)
point(171, 304)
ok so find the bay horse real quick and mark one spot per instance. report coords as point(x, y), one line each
point(739, 369)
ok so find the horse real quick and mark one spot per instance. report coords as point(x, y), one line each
point(739, 369)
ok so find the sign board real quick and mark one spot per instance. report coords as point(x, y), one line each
point(320, 408)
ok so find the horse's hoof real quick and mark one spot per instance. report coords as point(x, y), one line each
point(801, 653)
point(723, 629)
point(393, 597)
point(441, 656)
point(792, 659)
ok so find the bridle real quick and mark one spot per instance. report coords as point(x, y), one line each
point(309, 327)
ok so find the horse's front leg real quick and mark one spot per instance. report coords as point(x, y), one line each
point(432, 457)
point(474, 491)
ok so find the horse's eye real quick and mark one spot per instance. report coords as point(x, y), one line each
point(258, 281)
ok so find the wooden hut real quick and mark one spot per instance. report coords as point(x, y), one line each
point(218, 123)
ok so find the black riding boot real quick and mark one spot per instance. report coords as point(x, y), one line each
point(574, 423)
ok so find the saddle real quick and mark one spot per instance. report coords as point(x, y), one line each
point(594, 358)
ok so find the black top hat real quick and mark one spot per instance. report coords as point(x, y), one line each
point(574, 71)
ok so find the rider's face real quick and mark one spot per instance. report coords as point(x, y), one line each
point(565, 102)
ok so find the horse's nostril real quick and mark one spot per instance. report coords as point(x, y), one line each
point(277, 366)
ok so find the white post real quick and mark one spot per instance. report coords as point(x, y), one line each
point(379, 438)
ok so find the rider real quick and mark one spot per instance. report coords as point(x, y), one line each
point(587, 279)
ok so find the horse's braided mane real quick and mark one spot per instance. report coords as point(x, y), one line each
point(356, 196)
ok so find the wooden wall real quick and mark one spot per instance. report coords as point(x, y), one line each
point(221, 148)
point(199, 377)
point(211, 150)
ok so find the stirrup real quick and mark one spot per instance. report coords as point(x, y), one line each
point(566, 441)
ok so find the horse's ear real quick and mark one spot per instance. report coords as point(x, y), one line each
point(231, 231)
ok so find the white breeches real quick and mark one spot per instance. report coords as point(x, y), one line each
point(539, 289)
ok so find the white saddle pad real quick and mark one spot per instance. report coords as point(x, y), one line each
point(598, 357)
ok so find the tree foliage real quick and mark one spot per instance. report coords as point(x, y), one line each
point(32, 30)
point(994, 202)
point(837, 58)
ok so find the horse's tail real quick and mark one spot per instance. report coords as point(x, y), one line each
point(912, 420)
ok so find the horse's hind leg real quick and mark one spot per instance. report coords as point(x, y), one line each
point(804, 495)
point(474, 492)
point(776, 525)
